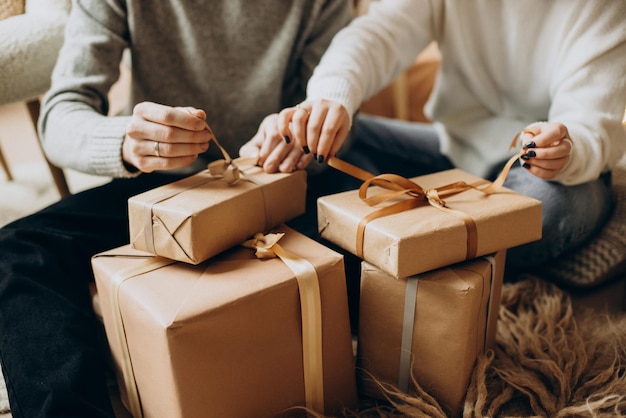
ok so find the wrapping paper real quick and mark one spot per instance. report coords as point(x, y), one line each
point(426, 237)
point(224, 337)
point(430, 327)
point(195, 218)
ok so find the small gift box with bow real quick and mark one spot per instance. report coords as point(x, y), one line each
point(234, 336)
point(195, 218)
point(409, 226)
point(429, 328)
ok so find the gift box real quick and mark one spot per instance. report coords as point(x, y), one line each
point(195, 218)
point(226, 338)
point(460, 226)
point(429, 327)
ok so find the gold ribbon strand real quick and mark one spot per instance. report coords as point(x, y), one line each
point(266, 246)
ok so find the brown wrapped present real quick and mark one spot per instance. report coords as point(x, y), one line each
point(195, 218)
point(430, 327)
point(234, 336)
point(458, 224)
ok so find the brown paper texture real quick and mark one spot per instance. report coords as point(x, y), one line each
point(452, 327)
point(203, 220)
point(426, 238)
point(223, 338)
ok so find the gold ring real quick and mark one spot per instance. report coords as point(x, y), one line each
point(301, 108)
point(156, 149)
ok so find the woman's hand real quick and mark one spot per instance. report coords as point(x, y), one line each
point(274, 153)
point(548, 148)
point(319, 127)
point(162, 137)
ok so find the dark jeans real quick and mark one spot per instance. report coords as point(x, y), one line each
point(51, 344)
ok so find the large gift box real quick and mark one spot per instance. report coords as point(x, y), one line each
point(195, 218)
point(429, 328)
point(456, 226)
point(235, 336)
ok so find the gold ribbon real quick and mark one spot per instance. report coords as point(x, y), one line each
point(417, 196)
point(266, 246)
point(149, 263)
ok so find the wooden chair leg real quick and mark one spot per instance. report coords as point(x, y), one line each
point(5, 166)
point(34, 107)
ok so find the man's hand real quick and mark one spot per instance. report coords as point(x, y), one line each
point(162, 138)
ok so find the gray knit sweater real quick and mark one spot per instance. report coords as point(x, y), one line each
point(238, 60)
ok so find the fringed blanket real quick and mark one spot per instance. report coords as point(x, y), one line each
point(549, 361)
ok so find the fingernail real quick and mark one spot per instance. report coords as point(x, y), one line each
point(315, 156)
point(526, 165)
point(320, 159)
point(306, 149)
point(525, 157)
point(530, 144)
point(287, 139)
point(531, 154)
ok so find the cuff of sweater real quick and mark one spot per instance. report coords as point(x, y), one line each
point(337, 89)
point(107, 155)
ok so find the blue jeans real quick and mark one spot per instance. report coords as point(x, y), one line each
point(571, 214)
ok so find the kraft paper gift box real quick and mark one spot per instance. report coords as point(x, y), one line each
point(195, 218)
point(426, 237)
point(430, 327)
point(224, 338)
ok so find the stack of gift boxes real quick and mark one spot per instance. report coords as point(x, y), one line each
point(433, 250)
point(199, 325)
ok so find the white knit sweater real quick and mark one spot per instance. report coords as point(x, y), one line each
point(29, 46)
point(505, 65)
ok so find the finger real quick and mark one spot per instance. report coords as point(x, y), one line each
point(171, 116)
point(550, 134)
point(298, 128)
point(173, 150)
point(289, 161)
point(283, 124)
point(303, 160)
point(330, 133)
point(541, 172)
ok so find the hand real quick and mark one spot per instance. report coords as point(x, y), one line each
point(319, 127)
point(272, 151)
point(162, 138)
point(548, 148)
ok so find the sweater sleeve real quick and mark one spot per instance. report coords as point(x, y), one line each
point(369, 53)
point(75, 128)
point(588, 91)
point(30, 43)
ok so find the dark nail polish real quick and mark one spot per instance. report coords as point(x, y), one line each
point(320, 159)
point(530, 144)
point(526, 165)
point(531, 154)
point(315, 156)
point(306, 149)
point(287, 139)
point(525, 157)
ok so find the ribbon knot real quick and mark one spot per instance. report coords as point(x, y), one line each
point(433, 198)
point(263, 243)
point(226, 169)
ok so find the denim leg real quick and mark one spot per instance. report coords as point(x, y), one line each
point(571, 215)
point(51, 344)
point(382, 145)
